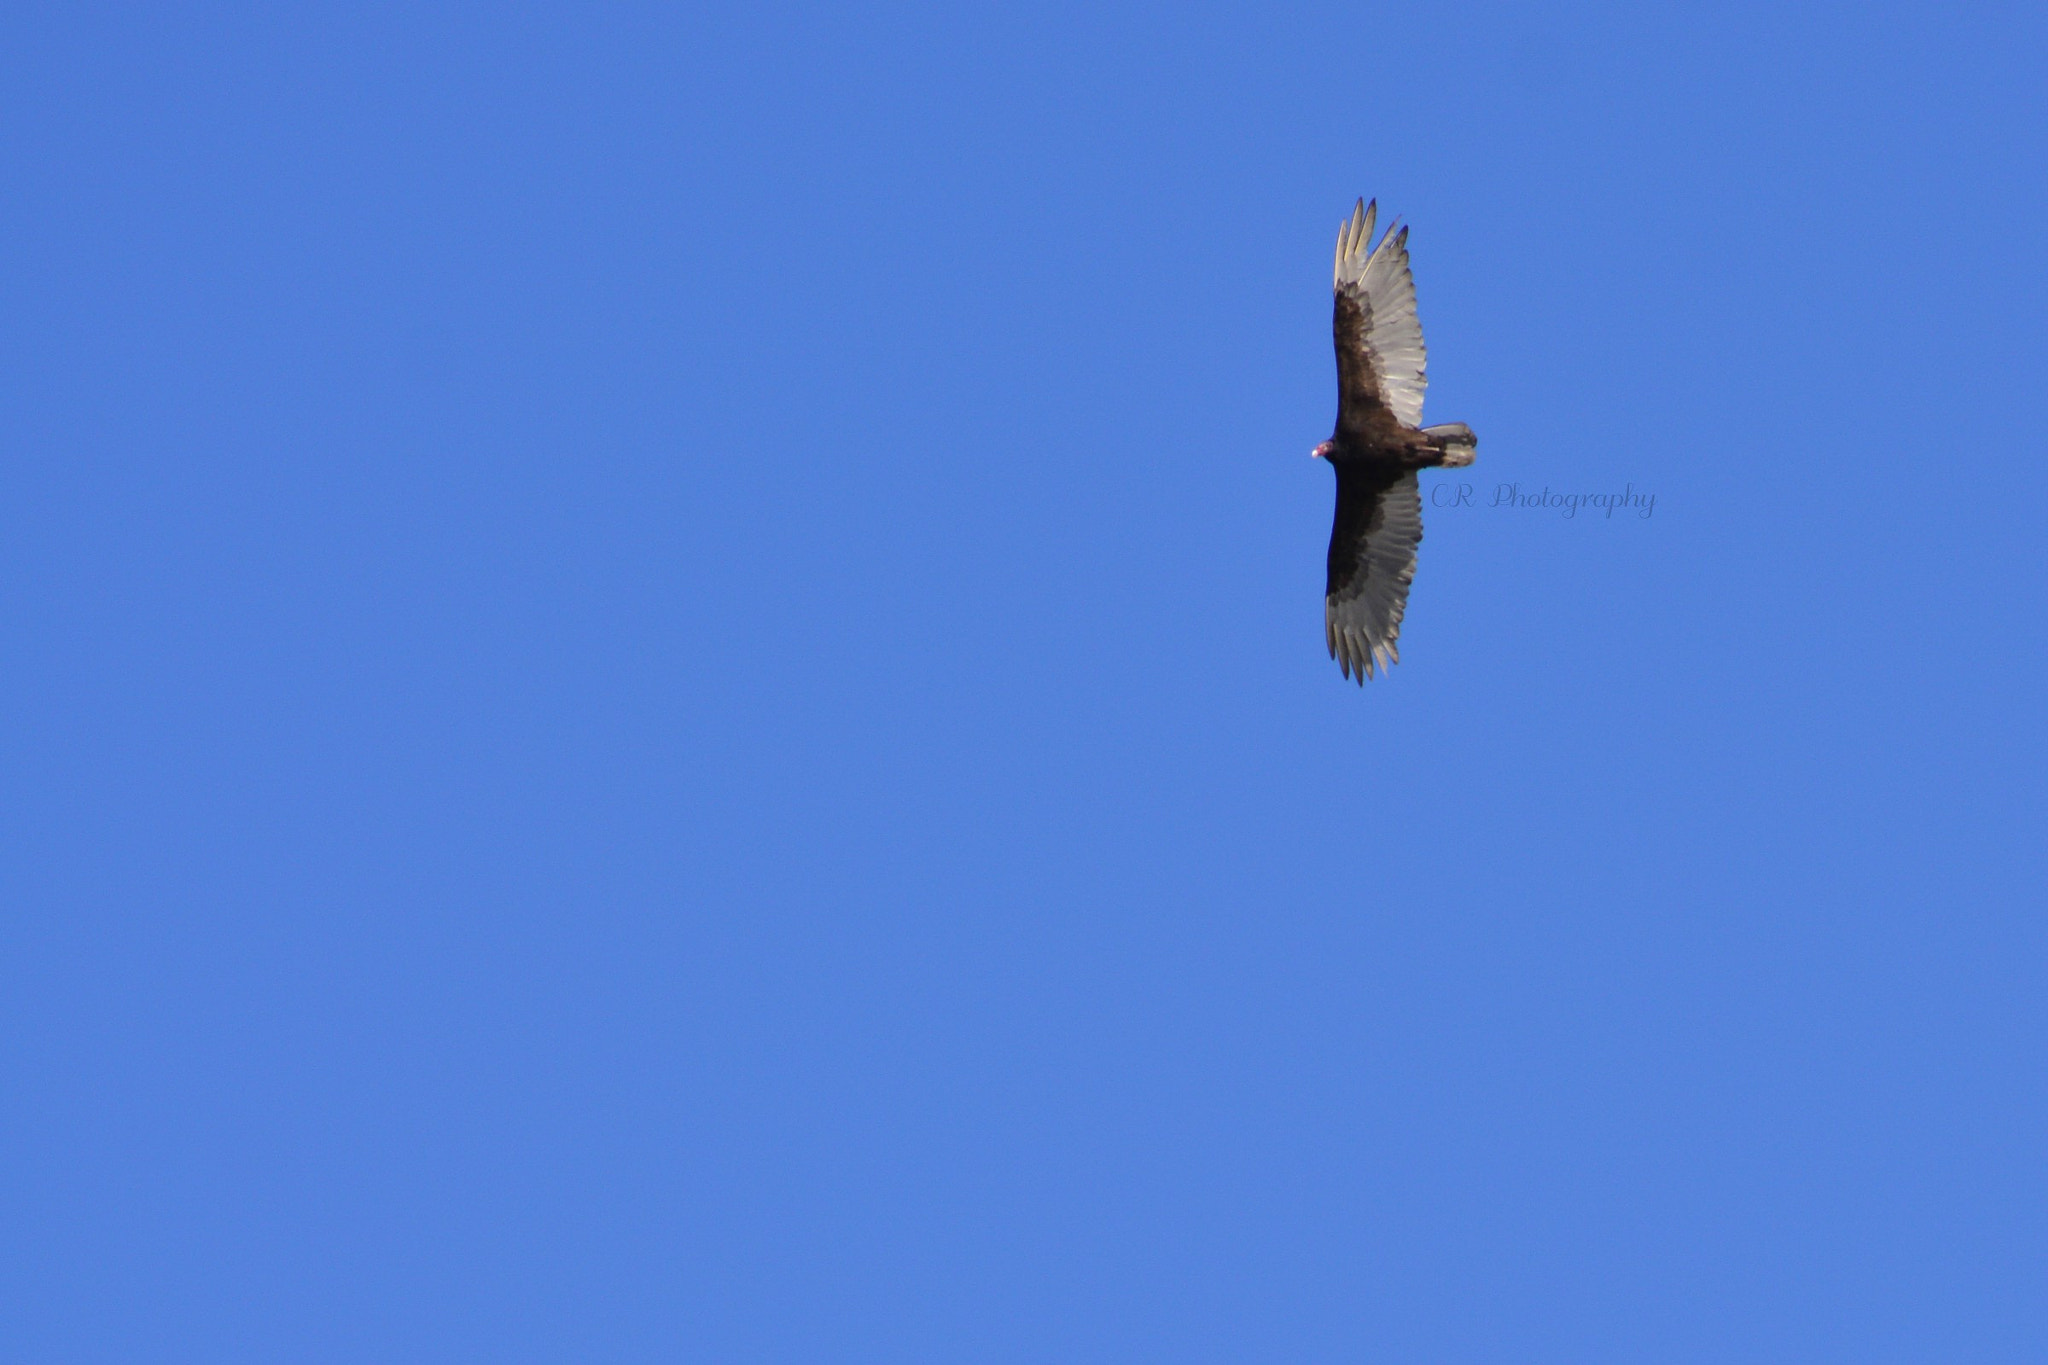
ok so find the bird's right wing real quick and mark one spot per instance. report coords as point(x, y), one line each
point(1372, 562)
point(1380, 357)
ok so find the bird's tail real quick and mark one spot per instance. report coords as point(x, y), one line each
point(1457, 443)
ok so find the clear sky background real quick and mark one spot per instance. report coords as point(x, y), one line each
point(665, 695)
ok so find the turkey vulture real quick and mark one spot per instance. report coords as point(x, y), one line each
point(1377, 447)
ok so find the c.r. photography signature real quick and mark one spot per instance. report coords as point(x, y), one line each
point(1513, 495)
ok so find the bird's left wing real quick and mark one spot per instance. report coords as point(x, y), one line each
point(1380, 356)
point(1372, 562)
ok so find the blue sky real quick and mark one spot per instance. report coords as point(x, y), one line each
point(666, 696)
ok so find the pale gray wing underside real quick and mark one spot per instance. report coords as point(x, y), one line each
point(1380, 282)
point(1362, 615)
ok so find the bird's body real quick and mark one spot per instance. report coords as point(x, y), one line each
point(1377, 447)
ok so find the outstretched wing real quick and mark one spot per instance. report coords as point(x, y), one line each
point(1372, 561)
point(1380, 357)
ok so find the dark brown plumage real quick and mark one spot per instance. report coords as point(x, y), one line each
point(1377, 447)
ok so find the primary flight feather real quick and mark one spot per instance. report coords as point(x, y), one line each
point(1377, 446)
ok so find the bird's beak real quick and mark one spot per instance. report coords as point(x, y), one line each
point(1320, 452)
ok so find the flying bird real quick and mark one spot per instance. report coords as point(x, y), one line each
point(1377, 447)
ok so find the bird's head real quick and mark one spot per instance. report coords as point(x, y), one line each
point(1322, 452)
